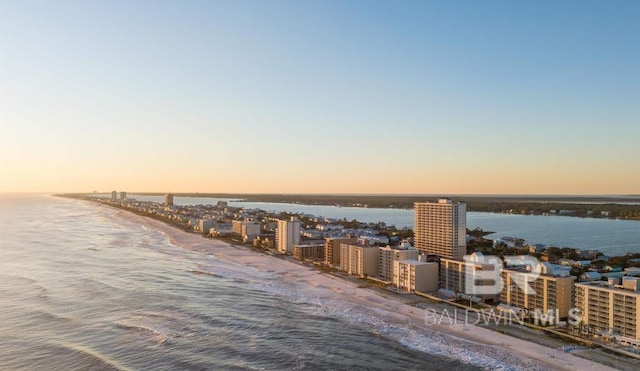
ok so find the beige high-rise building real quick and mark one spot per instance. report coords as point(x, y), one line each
point(359, 260)
point(441, 228)
point(388, 255)
point(609, 309)
point(332, 248)
point(541, 292)
point(168, 199)
point(287, 235)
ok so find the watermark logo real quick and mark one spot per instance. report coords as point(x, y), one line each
point(551, 317)
point(483, 274)
point(493, 316)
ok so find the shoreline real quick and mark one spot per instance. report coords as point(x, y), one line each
point(475, 203)
point(477, 341)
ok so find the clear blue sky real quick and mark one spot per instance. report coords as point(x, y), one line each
point(326, 96)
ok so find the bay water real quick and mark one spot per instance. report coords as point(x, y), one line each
point(612, 237)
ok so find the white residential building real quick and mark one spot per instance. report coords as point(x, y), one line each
point(287, 235)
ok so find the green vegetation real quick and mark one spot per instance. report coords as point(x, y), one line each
point(478, 232)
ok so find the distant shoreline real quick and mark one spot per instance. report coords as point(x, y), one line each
point(597, 207)
point(285, 197)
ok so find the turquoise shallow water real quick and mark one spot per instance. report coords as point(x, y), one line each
point(82, 289)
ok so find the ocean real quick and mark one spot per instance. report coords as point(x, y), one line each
point(84, 289)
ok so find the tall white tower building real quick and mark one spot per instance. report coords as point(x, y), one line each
point(287, 235)
point(441, 228)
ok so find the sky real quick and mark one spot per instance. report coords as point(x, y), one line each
point(418, 97)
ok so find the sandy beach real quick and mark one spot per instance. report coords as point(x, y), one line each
point(402, 320)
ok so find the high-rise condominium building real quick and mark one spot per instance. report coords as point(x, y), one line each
point(388, 255)
point(287, 235)
point(440, 228)
point(459, 276)
point(543, 291)
point(609, 309)
point(168, 199)
point(359, 260)
point(412, 275)
point(332, 248)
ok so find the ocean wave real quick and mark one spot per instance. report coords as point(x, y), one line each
point(39, 289)
point(147, 332)
point(84, 357)
point(46, 316)
point(107, 286)
point(166, 314)
point(325, 303)
point(236, 272)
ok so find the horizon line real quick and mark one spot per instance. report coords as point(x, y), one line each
point(347, 194)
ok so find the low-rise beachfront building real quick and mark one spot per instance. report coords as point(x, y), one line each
point(236, 226)
point(250, 230)
point(454, 276)
point(632, 271)
point(204, 225)
point(309, 250)
point(332, 249)
point(413, 275)
point(389, 254)
point(610, 310)
point(246, 229)
point(312, 233)
point(359, 260)
point(542, 291)
point(372, 239)
point(220, 231)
